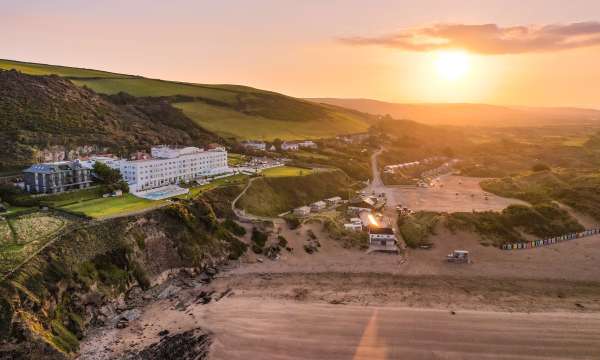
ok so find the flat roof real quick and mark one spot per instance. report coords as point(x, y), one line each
point(381, 230)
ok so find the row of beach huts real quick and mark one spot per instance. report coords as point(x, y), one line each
point(550, 241)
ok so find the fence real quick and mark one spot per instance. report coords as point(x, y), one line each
point(550, 241)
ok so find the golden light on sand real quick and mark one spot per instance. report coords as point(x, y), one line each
point(452, 65)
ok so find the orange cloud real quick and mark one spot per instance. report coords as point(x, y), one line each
point(489, 38)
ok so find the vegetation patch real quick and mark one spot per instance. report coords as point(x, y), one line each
point(283, 171)
point(541, 220)
point(580, 189)
point(417, 228)
point(270, 196)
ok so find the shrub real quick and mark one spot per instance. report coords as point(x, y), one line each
point(282, 241)
point(259, 238)
point(540, 167)
point(234, 227)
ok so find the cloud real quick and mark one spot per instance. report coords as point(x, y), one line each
point(488, 38)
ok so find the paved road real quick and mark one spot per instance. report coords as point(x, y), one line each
point(286, 331)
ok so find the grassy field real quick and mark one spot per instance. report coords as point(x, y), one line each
point(43, 69)
point(231, 123)
point(235, 159)
point(21, 236)
point(231, 180)
point(228, 110)
point(270, 196)
point(152, 87)
point(284, 171)
point(113, 206)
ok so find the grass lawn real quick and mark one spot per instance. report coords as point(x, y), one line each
point(284, 171)
point(112, 206)
point(71, 197)
point(13, 209)
point(231, 180)
point(235, 159)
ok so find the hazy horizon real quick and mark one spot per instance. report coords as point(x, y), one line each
point(515, 54)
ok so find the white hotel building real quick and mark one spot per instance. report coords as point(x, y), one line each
point(173, 165)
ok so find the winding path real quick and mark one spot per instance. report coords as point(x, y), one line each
point(241, 214)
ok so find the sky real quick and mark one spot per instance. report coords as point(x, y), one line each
point(525, 52)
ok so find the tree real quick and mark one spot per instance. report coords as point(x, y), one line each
point(110, 177)
point(277, 143)
point(105, 174)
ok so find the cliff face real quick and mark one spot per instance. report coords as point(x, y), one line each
point(47, 306)
point(37, 112)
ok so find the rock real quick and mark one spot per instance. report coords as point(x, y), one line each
point(189, 345)
point(130, 315)
point(168, 292)
point(453, 312)
point(122, 323)
point(163, 333)
point(211, 271)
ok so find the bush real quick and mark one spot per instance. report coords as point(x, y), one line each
point(259, 238)
point(292, 222)
point(234, 227)
point(540, 167)
point(416, 229)
point(282, 241)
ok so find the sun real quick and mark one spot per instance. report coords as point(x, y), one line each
point(452, 65)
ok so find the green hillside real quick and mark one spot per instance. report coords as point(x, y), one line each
point(229, 110)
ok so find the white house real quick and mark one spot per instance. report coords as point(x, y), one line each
point(318, 206)
point(256, 145)
point(170, 165)
point(353, 227)
point(112, 163)
point(382, 236)
point(307, 144)
point(289, 146)
point(302, 211)
point(332, 201)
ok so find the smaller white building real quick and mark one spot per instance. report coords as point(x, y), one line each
point(255, 145)
point(113, 163)
point(333, 201)
point(289, 146)
point(318, 206)
point(307, 144)
point(352, 227)
point(382, 236)
point(302, 211)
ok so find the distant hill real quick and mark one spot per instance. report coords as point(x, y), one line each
point(38, 112)
point(470, 114)
point(229, 110)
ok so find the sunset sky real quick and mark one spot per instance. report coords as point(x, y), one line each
point(523, 52)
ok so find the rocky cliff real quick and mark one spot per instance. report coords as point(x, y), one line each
point(48, 304)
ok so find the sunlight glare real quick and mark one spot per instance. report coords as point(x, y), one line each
point(452, 65)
